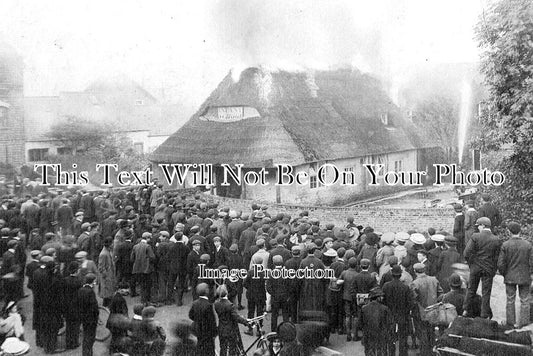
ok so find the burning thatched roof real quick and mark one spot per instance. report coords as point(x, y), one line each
point(293, 118)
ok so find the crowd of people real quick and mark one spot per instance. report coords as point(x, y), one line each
point(150, 241)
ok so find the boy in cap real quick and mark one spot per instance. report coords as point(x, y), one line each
point(88, 313)
point(447, 259)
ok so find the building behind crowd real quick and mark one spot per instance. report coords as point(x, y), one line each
point(341, 117)
point(130, 109)
point(11, 106)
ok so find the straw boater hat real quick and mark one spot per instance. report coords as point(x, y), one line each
point(402, 236)
point(418, 238)
point(13, 346)
point(388, 237)
point(437, 238)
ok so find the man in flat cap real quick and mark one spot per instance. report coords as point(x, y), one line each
point(294, 284)
point(482, 253)
point(459, 227)
point(143, 258)
point(516, 266)
point(204, 322)
point(88, 314)
point(426, 289)
point(447, 259)
point(489, 210)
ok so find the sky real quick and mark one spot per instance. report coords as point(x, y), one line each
point(180, 50)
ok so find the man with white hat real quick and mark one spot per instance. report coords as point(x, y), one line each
point(434, 253)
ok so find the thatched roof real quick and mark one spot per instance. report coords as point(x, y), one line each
point(304, 117)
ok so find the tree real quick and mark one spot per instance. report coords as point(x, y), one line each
point(438, 117)
point(80, 135)
point(505, 35)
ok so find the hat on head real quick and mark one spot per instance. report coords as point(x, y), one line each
point(80, 254)
point(205, 257)
point(330, 226)
point(514, 227)
point(483, 221)
point(365, 262)
point(296, 250)
point(450, 239)
point(232, 214)
point(388, 237)
point(330, 253)
point(179, 227)
point(195, 228)
point(196, 242)
point(396, 270)
point(418, 238)
point(148, 312)
point(217, 238)
point(455, 280)
point(12, 243)
point(233, 248)
point(260, 215)
point(457, 207)
point(375, 292)
point(272, 336)
point(146, 235)
point(260, 242)
point(327, 239)
point(437, 238)
point(419, 267)
point(222, 214)
point(85, 225)
point(35, 253)
point(277, 260)
point(164, 233)
point(50, 251)
point(46, 259)
point(79, 213)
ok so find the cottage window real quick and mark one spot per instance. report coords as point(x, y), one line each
point(138, 147)
point(313, 182)
point(4, 116)
point(397, 166)
point(38, 154)
point(64, 151)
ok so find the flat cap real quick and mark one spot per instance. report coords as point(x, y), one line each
point(46, 259)
point(80, 254)
point(327, 239)
point(260, 242)
point(365, 262)
point(205, 257)
point(277, 259)
point(450, 239)
point(483, 221)
point(419, 267)
point(233, 248)
point(146, 235)
point(35, 253)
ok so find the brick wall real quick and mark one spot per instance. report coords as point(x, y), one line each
point(383, 219)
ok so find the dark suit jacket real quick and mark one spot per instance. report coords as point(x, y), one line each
point(277, 288)
point(228, 319)
point(490, 211)
point(516, 261)
point(87, 305)
point(399, 299)
point(220, 257)
point(278, 251)
point(482, 252)
point(71, 286)
point(203, 316)
point(177, 255)
point(459, 227)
